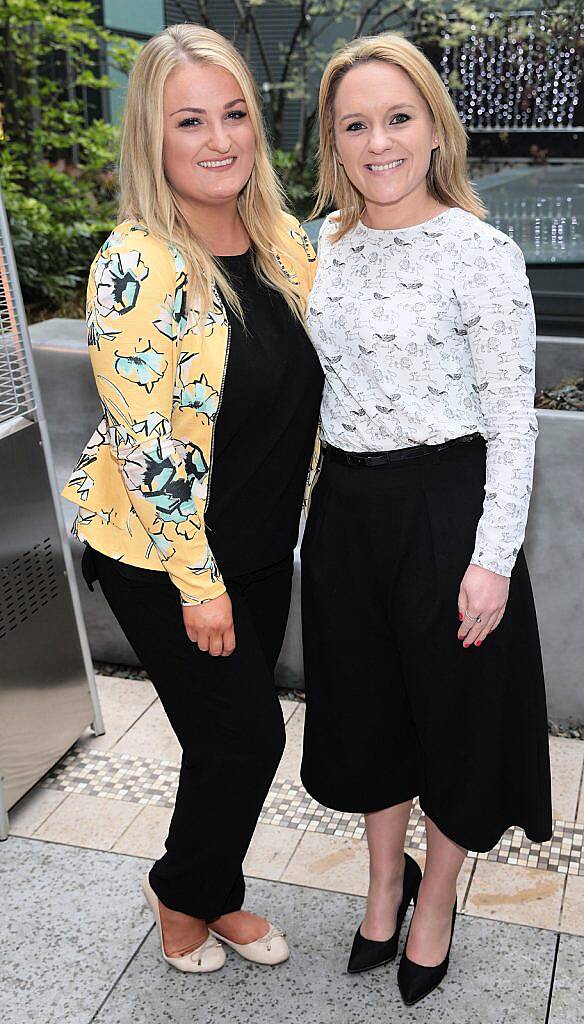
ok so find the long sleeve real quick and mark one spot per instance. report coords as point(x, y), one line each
point(498, 315)
point(133, 333)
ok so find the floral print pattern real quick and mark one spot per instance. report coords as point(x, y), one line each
point(142, 481)
point(145, 367)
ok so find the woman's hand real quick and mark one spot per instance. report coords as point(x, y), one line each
point(210, 625)
point(482, 593)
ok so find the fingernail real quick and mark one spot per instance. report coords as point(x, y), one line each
point(460, 616)
point(478, 643)
point(466, 645)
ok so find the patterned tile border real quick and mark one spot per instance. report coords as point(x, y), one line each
point(137, 780)
point(142, 780)
point(289, 806)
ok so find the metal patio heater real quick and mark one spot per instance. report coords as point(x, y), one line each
point(47, 687)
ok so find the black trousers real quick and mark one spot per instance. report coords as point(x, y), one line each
point(396, 707)
point(225, 713)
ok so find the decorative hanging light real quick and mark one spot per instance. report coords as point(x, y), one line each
point(509, 79)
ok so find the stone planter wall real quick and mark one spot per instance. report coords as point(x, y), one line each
point(555, 536)
point(554, 543)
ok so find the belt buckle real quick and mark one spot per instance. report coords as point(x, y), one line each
point(354, 459)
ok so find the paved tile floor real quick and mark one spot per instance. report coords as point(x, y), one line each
point(78, 945)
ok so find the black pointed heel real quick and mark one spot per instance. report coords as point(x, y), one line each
point(368, 953)
point(416, 981)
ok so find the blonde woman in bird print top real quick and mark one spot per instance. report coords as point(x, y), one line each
point(190, 490)
point(420, 634)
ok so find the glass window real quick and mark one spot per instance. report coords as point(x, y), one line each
point(144, 18)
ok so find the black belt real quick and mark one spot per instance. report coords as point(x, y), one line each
point(398, 455)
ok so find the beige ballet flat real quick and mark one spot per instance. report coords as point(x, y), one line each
point(210, 956)
point(271, 949)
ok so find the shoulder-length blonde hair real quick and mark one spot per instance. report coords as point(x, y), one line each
point(147, 196)
point(447, 178)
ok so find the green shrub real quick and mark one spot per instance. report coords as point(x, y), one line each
point(56, 173)
point(58, 219)
point(298, 180)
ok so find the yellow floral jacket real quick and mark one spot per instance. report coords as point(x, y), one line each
point(142, 483)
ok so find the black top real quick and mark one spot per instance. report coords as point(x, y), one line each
point(265, 429)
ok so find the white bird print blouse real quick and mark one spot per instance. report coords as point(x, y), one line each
point(425, 334)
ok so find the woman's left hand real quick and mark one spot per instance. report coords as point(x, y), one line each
point(482, 593)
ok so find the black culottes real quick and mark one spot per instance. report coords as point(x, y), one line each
point(395, 706)
point(225, 712)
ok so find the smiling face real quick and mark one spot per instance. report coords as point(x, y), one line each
point(209, 141)
point(384, 136)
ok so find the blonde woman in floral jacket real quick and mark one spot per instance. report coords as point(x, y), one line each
point(195, 318)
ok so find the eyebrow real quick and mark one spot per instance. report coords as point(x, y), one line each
point(201, 110)
point(396, 106)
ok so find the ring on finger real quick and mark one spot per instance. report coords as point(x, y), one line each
point(475, 618)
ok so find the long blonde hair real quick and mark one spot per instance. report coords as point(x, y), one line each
point(148, 197)
point(446, 179)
